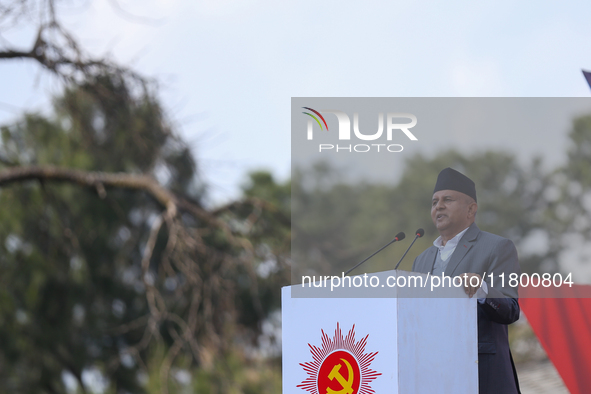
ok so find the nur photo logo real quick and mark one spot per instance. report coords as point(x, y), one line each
point(391, 126)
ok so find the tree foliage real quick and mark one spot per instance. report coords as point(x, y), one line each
point(111, 265)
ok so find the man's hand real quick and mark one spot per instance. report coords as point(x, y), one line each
point(471, 285)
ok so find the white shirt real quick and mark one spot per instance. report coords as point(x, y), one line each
point(450, 246)
point(445, 251)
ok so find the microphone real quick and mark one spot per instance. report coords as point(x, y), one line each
point(418, 234)
point(399, 237)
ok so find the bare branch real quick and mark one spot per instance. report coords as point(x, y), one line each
point(11, 54)
point(151, 293)
point(256, 202)
point(58, 51)
point(93, 180)
point(101, 180)
point(167, 364)
point(133, 325)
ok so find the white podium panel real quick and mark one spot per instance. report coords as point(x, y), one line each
point(424, 344)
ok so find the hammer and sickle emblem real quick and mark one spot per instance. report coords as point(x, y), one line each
point(347, 385)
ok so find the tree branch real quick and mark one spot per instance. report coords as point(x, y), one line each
point(100, 180)
point(57, 50)
point(10, 54)
point(256, 202)
point(96, 180)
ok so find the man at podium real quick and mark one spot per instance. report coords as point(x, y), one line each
point(462, 249)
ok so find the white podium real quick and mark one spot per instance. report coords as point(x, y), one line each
point(382, 339)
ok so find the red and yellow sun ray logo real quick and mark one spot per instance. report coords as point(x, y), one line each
point(340, 366)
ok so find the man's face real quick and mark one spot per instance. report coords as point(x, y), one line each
point(452, 212)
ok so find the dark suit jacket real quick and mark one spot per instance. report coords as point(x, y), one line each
point(484, 253)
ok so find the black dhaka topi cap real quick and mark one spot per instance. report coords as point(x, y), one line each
point(450, 179)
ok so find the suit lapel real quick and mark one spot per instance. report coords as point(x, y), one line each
point(430, 260)
point(465, 244)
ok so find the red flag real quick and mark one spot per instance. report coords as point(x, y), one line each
point(562, 323)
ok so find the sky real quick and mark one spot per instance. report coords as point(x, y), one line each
point(228, 69)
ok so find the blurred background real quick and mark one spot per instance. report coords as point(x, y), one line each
point(146, 181)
